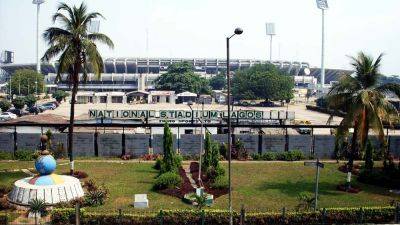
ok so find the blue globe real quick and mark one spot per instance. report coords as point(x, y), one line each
point(45, 164)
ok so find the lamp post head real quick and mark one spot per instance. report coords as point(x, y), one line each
point(37, 2)
point(238, 31)
point(322, 4)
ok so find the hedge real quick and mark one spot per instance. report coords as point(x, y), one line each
point(219, 217)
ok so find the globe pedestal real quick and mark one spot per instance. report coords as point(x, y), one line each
point(47, 186)
point(23, 192)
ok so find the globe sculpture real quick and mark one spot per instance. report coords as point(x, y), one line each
point(46, 185)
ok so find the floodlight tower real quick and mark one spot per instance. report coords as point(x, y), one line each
point(270, 30)
point(37, 3)
point(322, 5)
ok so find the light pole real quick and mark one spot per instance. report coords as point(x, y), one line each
point(322, 5)
point(190, 103)
point(37, 3)
point(237, 31)
point(270, 30)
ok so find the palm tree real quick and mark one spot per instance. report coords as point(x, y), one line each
point(365, 103)
point(77, 51)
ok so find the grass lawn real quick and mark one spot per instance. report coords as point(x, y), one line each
point(259, 186)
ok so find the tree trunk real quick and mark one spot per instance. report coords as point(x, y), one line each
point(353, 150)
point(71, 128)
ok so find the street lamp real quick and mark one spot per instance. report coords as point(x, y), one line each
point(237, 31)
point(37, 3)
point(322, 5)
point(270, 30)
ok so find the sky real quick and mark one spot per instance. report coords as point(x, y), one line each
point(198, 28)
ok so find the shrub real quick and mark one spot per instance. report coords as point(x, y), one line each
point(24, 155)
point(38, 206)
point(332, 216)
point(269, 156)
point(297, 155)
point(96, 195)
point(5, 189)
point(380, 178)
point(306, 202)
point(158, 163)
point(5, 204)
point(59, 95)
point(5, 105)
point(167, 180)
point(221, 182)
point(18, 102)
point(213, 173)
point(223, 150)
point(30, 100)
point(6, 155)
point(59, 152)
point(255, 156)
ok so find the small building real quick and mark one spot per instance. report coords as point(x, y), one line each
point(185, 97)
point(161, 97)
point(206, 99)
point(83, 97)
point(219, 96)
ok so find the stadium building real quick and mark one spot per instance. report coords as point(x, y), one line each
point(138, 74)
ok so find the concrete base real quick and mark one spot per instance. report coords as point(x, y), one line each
point(23, 192)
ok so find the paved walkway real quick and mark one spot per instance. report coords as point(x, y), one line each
point(186, 167)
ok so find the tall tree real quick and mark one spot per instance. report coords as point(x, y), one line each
point(263, 81)
point(180, 77)
point(25, 82)
point(365, 103)
point(77, 49)
point(218, 82)
point(169, 153)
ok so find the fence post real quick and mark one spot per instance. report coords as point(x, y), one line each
point(119, 215)
point(15, 140)
point(161, 217)
point(361, 215)
point(323, 216)
point(77, 214)
point(202, 219)
point(283, 214)
point(242, 215)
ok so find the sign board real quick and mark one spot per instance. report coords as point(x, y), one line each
point(314, 164)
point(187, 115)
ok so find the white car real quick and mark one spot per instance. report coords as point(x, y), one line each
point(7, 116)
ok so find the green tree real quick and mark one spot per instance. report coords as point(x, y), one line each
point(169, 153)
point(5, 105)
point(59, 95)
point(215, 156)
point(30, 100)
point(77, 49)
point(25, 82)
point(207, 152)
point(218, 82)
point(18, 102)
point(180, 77)
point(262, 81)
point(365, 103)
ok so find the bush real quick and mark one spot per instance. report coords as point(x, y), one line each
point(5, 189)
point(297, 155)
point(214, 217)
point(158, 163)
point(6, 155)
point(214, 173)
point(18, 102)
point(167, 180)
point(59, 95)
point(5, 105)
point(38, 206)
point(30, 100)
point(223, 150)
point(96, 195)
point(269, 156)
point(379, 178)
point(220, 182)
point(24, 155)
point(255, 156)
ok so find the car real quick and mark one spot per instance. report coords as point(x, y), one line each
point(266, 104)
point(17, 112)
point(35, 109)
point(54, 102)
point(7, 116)
point(47, 106)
